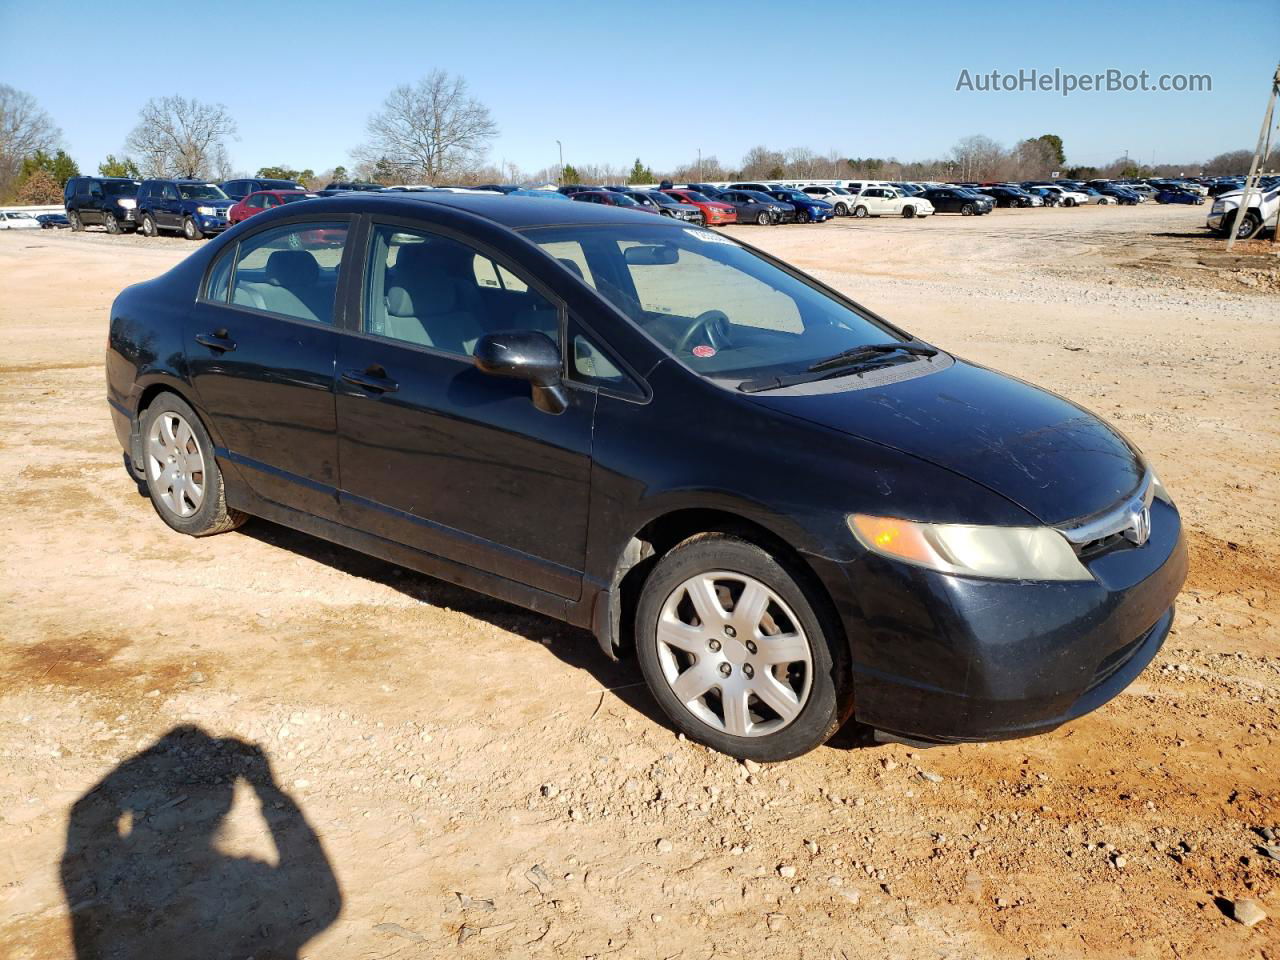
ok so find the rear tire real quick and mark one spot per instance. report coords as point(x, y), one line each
point(76, 225)
point(182, 476)
point(190, 230)
point(815, 684)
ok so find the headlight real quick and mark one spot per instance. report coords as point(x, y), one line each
point(1218, 206)
point(1005, 553)
point(128, 203)
point(207, 211)
point(1158, 489)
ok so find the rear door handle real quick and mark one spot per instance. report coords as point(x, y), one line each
point(374, 379)
point(218, 340)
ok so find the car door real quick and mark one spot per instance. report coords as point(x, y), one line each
point(439, 456)
point(169, 209)
point(260, 346)
point(89, 198)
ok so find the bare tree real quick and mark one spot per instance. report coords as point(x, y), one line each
point(24, 129)
point(761, 163)
point(977, 157)
point(433, 128)
point(180, 137)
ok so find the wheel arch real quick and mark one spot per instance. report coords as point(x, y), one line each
point(614, 613)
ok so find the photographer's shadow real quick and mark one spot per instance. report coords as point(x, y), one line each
point(143, 876)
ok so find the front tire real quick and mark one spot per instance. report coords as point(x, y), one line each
point(908, 212)
point(182, 476)
point(860, 212)
point(841, 210)
point(966, 210)
point(1248, 227)
point(76, 225)
point(148, 226)
point(190, 230)
point(763, 218)
point(737, 653)
point(111, 223)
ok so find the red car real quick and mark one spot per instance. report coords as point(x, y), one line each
point(611, 199)
point(716, 213)
point(263, 200)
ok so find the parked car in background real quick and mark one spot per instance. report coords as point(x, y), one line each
point(611, 198)
point(52, 221)
point(1047, 195)
point(886, 201)
point(506, 188)
point(1121, 195)
point(674, 207)
point(18, 220)
point(794, 512)
point(1178, 195)
point(110, 202)
point(710, 191)
point(759, 187)
point(1007, 196)
point(752, 206)
point(349, 186)
point(538, 194)
point(239, 189)
point(841, 200)
point(261, 200)
point(714, 213)
point(569, 189)
point(958, 200)
point(808, 209)
point(1067, 197)
point(193, 208)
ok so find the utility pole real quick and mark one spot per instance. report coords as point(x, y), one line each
point(1259, 156)
point(560, 176)
point(699, 164)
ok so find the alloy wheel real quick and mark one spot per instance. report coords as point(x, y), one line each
point(734, 654)
point(175, 465)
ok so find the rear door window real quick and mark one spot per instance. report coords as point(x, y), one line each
point(290, 271)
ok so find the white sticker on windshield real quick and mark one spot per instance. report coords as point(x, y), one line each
point(706, 236)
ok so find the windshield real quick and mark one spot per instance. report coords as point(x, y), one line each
point(665, 199)
point(291, 197)
point(791, 195)
point(718, 308)
point(695, 196)
point(622, 200)
point(118, 188)
point(201, 191)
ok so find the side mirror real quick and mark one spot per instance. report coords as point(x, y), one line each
point(525, 355)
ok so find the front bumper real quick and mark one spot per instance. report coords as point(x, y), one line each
point(211, 224)
point(1220, 220)
point(952, 659)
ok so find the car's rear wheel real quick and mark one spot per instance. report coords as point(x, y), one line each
point(702, 219)
point(76, 225)
point(190, 230)
point(148, 225)
point(860, 211)
point(111, 223)
point(737, 654)
point(841, 210)
point(182, 477)
point(763, 218)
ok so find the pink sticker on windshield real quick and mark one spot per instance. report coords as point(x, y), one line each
point(702, 350)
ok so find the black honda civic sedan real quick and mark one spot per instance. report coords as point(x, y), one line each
point(791, 510)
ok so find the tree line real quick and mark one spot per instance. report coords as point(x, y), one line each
point(435, 132)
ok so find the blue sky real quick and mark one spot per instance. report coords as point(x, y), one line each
point(658, 80)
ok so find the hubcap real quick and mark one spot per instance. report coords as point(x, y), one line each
point(734, 654)
point(175, 465)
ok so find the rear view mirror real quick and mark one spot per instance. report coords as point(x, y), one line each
point(525, 355)
point(651, 256)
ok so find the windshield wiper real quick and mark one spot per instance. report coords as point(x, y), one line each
point(846, 358)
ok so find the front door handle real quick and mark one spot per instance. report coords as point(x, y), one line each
point(218, 340)
point(374, 379)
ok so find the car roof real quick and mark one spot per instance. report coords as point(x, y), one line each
point(515, 213)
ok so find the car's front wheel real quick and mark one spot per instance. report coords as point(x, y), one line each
point(908, 212)
point(1249, 225)
point(737, 654)
point(841, 210)
point(76, 225)
point(763, 218)
point(183, 479)
point(190, 230)
point(860, 211)
point(148, 225)
point(111, 223)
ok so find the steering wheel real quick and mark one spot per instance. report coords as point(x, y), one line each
point(714, 322)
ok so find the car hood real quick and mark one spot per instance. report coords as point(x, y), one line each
point(1054, 459)
point(224, 204)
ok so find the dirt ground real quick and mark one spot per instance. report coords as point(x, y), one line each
point(298, 748)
